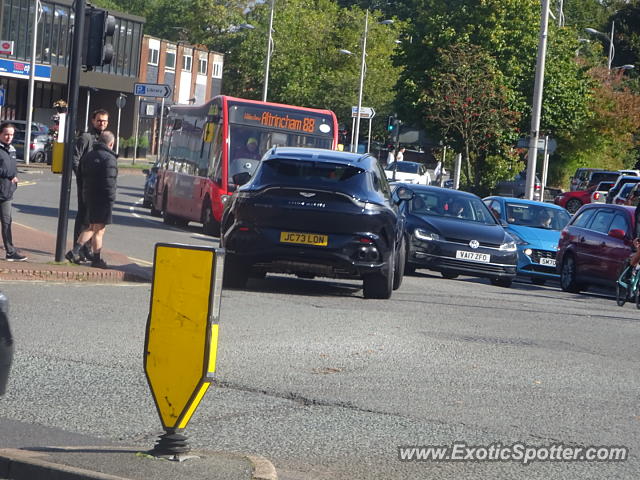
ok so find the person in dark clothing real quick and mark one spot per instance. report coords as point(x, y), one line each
point(84, 145)
point(99, 172)
point(8, 185)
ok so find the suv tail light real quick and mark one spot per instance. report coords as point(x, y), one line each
point(596, 195)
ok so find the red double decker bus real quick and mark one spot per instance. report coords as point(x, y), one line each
point(206, 146)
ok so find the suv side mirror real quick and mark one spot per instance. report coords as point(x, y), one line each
point(6, 344)
point(241, 178)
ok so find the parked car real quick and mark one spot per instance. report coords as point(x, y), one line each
point(599, 194)
point(618, 185)
point(38, 148)
point(36, 128)
point(579, 177)
point(623, 195)
point(594, 246)
point(594, 177)
point(517, 187)
point(313, 212)
point(572, 201)
point(408, 172)
point(535, 226)
point(454, 233)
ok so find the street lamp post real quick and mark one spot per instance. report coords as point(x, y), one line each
point(612, 50)
point(269, 53)
point(363, 68)
point(536, 108)
point(26, 151)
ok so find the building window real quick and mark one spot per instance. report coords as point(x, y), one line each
point(217, 70)
point(186, 63)
point(153, 56)
point(170, 60)
point(202, 66)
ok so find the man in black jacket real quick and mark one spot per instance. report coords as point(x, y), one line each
point(8, 185)
point(99, 171)
point(84, 144)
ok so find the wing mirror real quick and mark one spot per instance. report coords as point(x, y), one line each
point(405, 194)
point(241, 178)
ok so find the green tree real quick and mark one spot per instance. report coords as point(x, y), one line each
point(469, 104)
point(307, 68)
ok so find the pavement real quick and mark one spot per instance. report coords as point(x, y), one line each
point(108, 462)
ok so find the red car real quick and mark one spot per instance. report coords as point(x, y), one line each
point(572, 201)
point(594, 246)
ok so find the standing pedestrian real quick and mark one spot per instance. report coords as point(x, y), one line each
point(84, 145)
point(391, 156)
point(8, 185)
point(400, 154)
point(99, 172)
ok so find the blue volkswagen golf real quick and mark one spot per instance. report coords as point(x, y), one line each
point(535, 226)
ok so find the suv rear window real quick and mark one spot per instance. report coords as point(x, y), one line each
point(278, 169)
point(603, 177)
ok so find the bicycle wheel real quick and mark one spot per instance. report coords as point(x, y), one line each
point(621, 294)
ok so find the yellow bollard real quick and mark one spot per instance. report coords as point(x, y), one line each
point(57, 157)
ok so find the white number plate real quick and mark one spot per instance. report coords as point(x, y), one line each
point(551, 262)
point(474, 256)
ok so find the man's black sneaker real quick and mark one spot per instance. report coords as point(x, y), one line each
point(16, 257)
point(99, 263)
point(71, 257)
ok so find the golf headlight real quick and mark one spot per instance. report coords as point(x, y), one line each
point(425, 235)
point(508, 246)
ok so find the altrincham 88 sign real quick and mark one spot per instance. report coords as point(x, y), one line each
point(280, 119)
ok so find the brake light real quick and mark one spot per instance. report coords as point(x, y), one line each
point(537, 187)
point(365, 240)
point(596, 195)
point(32, 146)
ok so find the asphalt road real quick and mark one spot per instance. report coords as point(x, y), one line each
point(327, 385)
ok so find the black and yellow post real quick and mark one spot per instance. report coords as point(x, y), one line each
point(182, 336)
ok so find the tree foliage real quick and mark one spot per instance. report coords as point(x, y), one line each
point(469, 103)
point(307, 67)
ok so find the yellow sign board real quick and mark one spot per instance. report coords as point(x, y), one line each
point(182, 329)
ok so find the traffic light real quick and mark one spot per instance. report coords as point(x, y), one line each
point(390, 123)
point(99, 28)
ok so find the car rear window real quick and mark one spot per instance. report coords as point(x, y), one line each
point(404, 167)
point(603, 176)
point(303, 171)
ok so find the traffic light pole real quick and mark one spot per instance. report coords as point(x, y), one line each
point(70, 124)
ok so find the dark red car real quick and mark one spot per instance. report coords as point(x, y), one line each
point(572, 201)
point(594, 246)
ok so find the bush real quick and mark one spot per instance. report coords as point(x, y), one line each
point(143, 141)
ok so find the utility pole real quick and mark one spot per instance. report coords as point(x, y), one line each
point(69, 133)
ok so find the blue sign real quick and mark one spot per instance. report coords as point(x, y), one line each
point(10, 68)
point(1, 97)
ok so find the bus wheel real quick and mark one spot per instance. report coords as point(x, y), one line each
point(167, 218)
point(209, 224)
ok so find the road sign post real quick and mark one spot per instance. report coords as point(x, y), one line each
point(150, 90)
point(182, 336)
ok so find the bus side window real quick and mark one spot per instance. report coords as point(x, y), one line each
point(215, 155)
